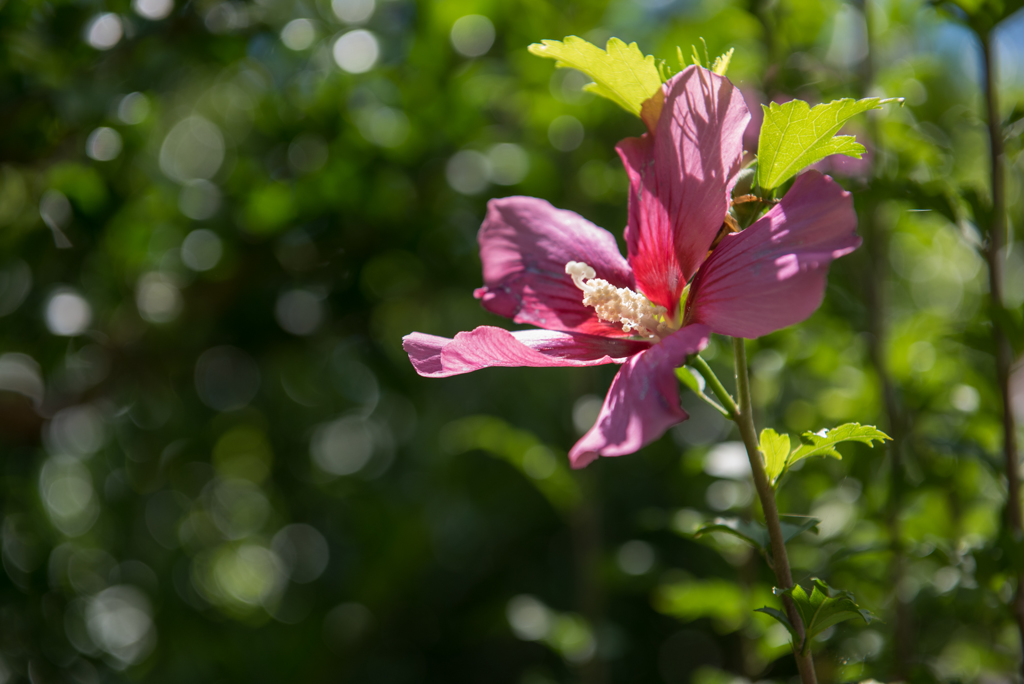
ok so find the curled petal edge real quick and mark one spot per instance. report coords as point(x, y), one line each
point(489, 347)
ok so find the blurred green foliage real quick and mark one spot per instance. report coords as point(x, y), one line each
point(217, 220)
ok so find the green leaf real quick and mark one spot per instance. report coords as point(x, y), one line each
point(781, 617)
point(689, 379)
point(696, 55)
point(792, 530)
point(824, 443)
point(721, 64)
point(751, 532)
point(756, 534)
point(621, 73)
point(794, 136)
point(696, 383)
point(824, 607)
point(775, 449)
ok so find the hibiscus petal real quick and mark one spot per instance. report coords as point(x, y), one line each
point(643, 400)
point(525, 244)
point(680, 179)
point(772, 274)
point(487, 346)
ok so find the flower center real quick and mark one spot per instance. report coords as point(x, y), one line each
point(620, 305)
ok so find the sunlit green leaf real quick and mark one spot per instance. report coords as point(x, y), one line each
point(621, 72)
point(696, 55)
point(824, 607)
point(794, 136)
point(721, 65)
point(775, 449)
point(824, 443)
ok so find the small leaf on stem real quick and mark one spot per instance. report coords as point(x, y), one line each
point(691, 379)
point(781, 617)
point(695, 382)
point(756, 534)
point(775, 449)
point(823, 443)
point(824, 607)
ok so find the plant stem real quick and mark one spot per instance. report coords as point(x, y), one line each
point(783, 576)
point(715, 384)
point(1004, 352)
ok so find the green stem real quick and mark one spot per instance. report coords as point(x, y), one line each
point(783, 575)
point(715, 384)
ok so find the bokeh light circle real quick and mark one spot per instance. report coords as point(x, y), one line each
point(298, 34)
point(104, 31)
point(472, 35)
point(103, 144)
point(67, 313)
point(356, 51)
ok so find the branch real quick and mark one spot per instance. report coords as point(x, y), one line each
point(783, 575)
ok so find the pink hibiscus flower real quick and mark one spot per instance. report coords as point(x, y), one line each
point(554, 269)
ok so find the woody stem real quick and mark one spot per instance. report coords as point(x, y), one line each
point(783, 576)
point(997, 236)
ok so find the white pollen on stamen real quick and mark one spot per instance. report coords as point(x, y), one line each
point(619, 304)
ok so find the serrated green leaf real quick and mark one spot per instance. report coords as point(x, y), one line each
point(824, 443)
point(775, 449)
point(621, 72)
point(824, 607)
point(794, 136)
point(721, 64)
